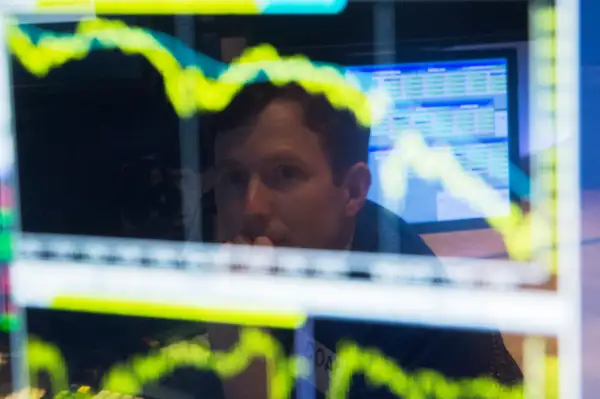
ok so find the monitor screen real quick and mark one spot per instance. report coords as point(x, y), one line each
point(460, 105)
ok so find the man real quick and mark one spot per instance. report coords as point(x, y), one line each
point(291, 171)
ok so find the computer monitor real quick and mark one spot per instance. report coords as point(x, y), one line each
point(464, 102)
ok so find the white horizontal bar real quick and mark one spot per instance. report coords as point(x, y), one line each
point(386, 267)
point(37, 283)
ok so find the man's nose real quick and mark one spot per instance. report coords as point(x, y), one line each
point(257, 198)
point(256, 210)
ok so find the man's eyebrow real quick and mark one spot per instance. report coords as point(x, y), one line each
point(288, 155)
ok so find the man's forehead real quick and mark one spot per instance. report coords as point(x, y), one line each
point(279, 122)
point(281, 112)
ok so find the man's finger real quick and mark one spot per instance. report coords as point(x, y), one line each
point(263, 241)
point(241, 240)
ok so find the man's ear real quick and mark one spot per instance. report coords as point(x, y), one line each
point(356, 184)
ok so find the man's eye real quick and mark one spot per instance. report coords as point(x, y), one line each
point(287, 172)
point(236, 178)
point(232, 178)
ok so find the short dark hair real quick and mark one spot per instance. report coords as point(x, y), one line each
point(345, 140)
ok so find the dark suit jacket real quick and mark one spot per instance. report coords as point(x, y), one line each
point(454, 353)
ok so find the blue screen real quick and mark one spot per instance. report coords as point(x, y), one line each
point(458, 105)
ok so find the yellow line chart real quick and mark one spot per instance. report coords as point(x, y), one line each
point(412, 152)
point(190, 91)
point(129, 377)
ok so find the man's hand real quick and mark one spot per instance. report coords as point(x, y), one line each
point(252, 382)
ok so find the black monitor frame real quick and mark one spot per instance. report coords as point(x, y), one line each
point(406, 57)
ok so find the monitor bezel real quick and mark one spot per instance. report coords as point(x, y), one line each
point(443, 55)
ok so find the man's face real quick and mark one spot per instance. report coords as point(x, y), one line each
point(274, 180)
